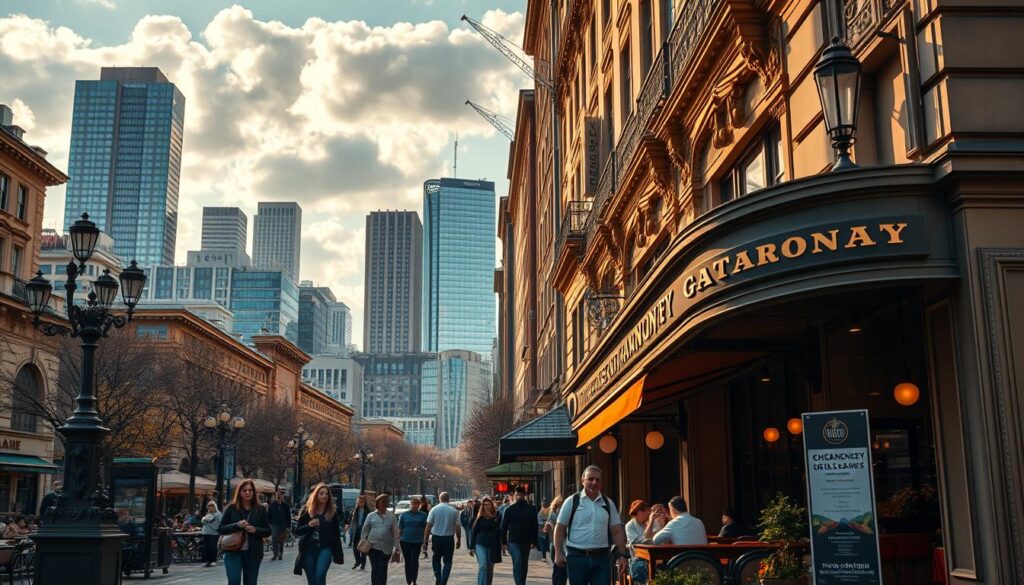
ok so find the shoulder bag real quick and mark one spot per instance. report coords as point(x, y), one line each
point(233, 541)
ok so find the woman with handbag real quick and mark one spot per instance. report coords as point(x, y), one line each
point(355, 527)
point(319, 532)
point(242, 529)
point(485, 541)
point(379, 535)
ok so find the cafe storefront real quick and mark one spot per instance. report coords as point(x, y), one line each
point(871, 289)
point(24, 471)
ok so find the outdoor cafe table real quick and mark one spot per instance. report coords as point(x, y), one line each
point(659, 554)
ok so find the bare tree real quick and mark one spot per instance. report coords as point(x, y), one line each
point(262, 449)
point(487, 423)
point(331, 455)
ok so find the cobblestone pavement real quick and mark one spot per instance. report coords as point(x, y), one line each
point(280, 572)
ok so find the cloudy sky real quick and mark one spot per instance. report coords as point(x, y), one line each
point(345, 106)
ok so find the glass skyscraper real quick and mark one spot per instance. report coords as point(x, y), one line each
point(125, 160)
point(458, 265)
point(264, 301)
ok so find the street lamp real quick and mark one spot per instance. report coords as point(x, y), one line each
point(300, 441)
point(226, 426)
point(80, 530)
point(363, 457)
point(838, 78)
point(419, 470)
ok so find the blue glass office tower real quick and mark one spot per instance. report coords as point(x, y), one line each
point(125, 160)
point(264, 300)
point(458, 265)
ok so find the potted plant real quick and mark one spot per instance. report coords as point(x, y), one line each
point(783, 521)
point(683, 576)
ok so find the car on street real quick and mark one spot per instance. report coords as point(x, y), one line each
point(402, 506)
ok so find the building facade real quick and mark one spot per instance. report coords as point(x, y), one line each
point(28, 359)
point(315, 315)
point(341, 378)
point(339, 329)
point(125, 160)
point(391, 383)
point(719, 278)
point(54, 256)
point(458, 265)
point(277, 237)
point(392, 293)
point(453, 385)
point(225, 229)
point(419, 430)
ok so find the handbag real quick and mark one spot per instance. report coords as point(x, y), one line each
point(231, 542)
point(364, 546)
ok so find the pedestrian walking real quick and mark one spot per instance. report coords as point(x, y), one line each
point(381, 531)
point(559, 576)
point(319, 532)
point(355, 526)
point(211, 522)
point(244, 514)
point(49, 500)
point(280, 515)
point(444, 535)
point(542, 536)
point(484, 541)
point(467, 516)
point(519, 533)
point(411, 525)
point(587, 525)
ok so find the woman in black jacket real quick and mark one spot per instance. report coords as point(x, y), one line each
point(485, 541)
point(319, 532)
point(245, 514)
point(355, 527)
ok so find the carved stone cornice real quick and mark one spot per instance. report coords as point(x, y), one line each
point(570, 45)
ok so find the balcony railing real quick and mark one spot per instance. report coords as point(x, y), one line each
point(18, 290)
point(573, 228)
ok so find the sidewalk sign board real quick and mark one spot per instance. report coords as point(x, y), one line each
point(841, 498)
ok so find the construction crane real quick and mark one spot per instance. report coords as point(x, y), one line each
point(511, 51)
point(500, 123)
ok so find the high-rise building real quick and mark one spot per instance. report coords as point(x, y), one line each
point(315, 304)
point(339, 329)
point(458, 265)
point(224, 229)
point(276, 237)
point(338, 377)
point(125, 160)
point(393, 287)
point(391, 383)
point(451, 387)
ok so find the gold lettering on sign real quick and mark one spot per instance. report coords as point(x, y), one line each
point(742, 262)
point(766, 254)
point(894, 230)
point(832, 243)
point(859, 237)
point(719, 266)
point(794, 247)
point(10, 444)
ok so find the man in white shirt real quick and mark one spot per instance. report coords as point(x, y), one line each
point(682, 528)
point(587, 525)
point(443, 528)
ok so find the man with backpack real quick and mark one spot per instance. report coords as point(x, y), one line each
point(588, 524)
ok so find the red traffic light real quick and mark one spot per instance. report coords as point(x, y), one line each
point(501, 487)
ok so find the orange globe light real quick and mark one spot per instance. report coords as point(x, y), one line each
point(654, 440)
point(608, 444)
point(795, 426)
point(771, 434)
point(907, 393)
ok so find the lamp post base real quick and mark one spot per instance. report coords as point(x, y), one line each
point(87, 552)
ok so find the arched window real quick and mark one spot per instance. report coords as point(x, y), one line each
point(27, 395)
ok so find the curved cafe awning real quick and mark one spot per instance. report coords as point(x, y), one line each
point(549, 436)
point(176, 482)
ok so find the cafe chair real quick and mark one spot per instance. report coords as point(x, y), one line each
point(696, 560)
point(744, 569)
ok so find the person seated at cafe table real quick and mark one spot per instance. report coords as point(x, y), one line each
point(731, 525)
point(16, 528)
point(681, 529)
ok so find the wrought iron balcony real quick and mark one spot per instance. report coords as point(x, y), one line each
point(572, 235)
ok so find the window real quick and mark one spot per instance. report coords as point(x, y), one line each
point(22, 201)
point(760, 167)
point(3, 244)
point(609, 122)
point(646, 36)
point(16, 254)
point(593, 42)
point(625, 83)
point(5, 183)
point(23, 403)
point(667, 18)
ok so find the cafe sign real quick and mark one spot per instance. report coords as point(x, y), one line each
point(712, 274)
point(841, 498)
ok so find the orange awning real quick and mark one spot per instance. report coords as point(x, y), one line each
point(610, 415)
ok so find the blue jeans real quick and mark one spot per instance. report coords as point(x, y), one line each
point(589, 570)
point(444, 549)
point(242, 567)
point(315, 563)
point(485, 573)
point(520, 554)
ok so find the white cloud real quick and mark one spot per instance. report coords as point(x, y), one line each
point(340, 116)
point(108, 4)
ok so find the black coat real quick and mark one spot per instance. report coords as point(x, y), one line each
point(256, 516)
point(485, 532)
point(329, 533)
point(280, 515)
point(519, 524)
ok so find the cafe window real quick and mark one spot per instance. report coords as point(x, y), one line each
point(760, 167)
point(27, 396)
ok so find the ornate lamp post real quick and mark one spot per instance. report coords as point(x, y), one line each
point(419, 470)
point(226, 426)
point(838, 77)
point(79, 535)
point(300, 441)
point(363, 457)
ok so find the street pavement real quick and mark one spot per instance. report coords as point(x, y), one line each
point(280, 572)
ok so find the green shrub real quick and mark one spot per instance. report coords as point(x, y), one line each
point(681, 576)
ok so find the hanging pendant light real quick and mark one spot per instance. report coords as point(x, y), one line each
point(654, 440)
point(795, 426)
point(906, 393)
point(608, 444)
point(772, 434)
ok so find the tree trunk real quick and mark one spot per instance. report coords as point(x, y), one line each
point(193, 467)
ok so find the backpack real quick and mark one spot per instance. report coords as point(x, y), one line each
point(576, 504)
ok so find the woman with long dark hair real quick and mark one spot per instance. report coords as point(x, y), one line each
point(381, 529)
point(485, 541)
point(245, 514)
point(359, 515)
point(319, 532)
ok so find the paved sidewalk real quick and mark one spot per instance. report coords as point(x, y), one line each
point(280, 572)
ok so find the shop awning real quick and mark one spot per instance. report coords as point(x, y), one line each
point(176, 482)
point(548, 436)
point(610, 415)
point(25, 464)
